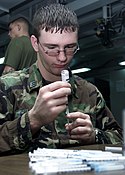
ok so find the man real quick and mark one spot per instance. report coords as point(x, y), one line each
point(20, 53)
point(33, 101)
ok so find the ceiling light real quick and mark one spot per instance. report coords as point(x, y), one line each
point(122, 63)
point(76, 71)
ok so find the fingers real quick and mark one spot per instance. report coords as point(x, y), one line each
point(83, 137)
point(58, 102)
point(76, 115)
point(55, 94)
point(86, 134)
point(56, 85)
point(79, 119)
point(81, 128)
point(55, 90)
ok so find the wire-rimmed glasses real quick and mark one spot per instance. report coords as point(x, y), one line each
point(55, 52)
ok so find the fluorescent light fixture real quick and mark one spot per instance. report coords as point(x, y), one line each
point(2, 60)
point(122, 63)
point(80, 70)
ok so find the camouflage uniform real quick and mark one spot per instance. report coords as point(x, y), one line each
point(18, 92)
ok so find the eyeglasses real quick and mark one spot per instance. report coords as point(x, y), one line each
point(55, 52)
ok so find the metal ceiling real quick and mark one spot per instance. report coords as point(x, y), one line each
point(93, 54)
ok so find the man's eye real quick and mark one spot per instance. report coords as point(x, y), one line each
point(71, 46)
point(51, 47)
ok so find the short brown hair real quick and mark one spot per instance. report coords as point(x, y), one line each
point(54, 16)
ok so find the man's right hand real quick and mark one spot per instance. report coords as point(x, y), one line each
point(51, 101)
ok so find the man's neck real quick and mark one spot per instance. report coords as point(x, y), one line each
point(24, 34)
point(46, 75)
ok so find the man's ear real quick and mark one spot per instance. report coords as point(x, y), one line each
point(34, 42)
point(19, 27)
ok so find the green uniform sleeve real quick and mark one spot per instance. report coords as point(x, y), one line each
point(107, 129)
point(15, 136)
point(14, 53)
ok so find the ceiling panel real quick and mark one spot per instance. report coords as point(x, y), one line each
point(6, 5)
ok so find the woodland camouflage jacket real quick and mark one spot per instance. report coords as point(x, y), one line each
point(18, 91)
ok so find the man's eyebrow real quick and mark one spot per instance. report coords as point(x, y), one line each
point(49, 44)
point(56, 45)
point(71, 44)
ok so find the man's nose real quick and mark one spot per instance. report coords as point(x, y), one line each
point(62, 55)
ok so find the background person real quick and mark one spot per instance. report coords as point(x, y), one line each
point(33, 101)
point(20, 53)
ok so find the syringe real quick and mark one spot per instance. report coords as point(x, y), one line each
point(65, 78)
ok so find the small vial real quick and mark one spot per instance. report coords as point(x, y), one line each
point(65, 75)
